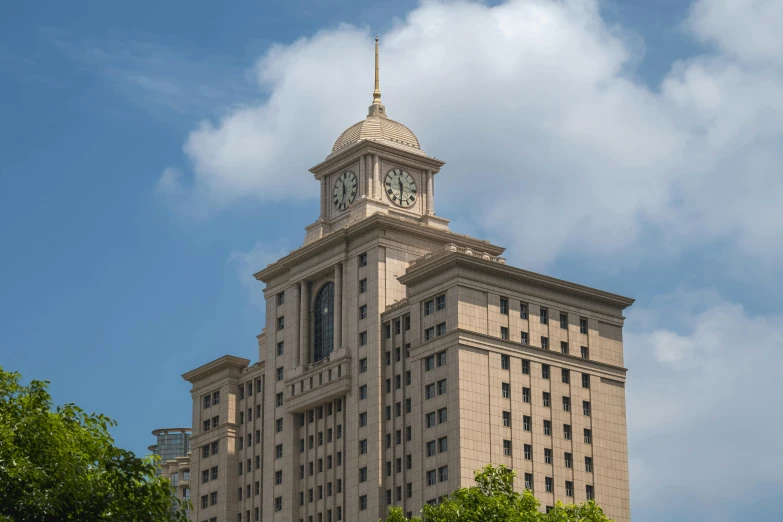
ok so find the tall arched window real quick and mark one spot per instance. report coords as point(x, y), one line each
point(323, 313)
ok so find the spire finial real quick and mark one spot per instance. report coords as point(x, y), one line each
point(377, 108)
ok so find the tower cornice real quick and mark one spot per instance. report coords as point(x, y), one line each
point(351, 153)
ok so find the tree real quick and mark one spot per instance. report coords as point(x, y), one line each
point(62, 464)
point(493, 499)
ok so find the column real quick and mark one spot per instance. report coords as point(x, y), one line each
point(304, 321)
point(345, 302)
point(376, 170)
point(362, 177)
point(430, 193)
point(296, 305)
point(323, 199)
point(370, 184)
point(338, 306)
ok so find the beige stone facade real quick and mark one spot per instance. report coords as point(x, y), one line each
point(433, 364)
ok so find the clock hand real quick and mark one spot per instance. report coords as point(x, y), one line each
point(400, 182)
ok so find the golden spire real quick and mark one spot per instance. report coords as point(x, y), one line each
point(377, 108)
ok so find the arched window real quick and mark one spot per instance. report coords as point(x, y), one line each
point(323, 313)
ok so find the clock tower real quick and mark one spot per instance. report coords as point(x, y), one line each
point(376, 166)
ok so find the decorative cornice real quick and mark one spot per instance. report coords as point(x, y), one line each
point(225, 362)
point(427, 268)
point(349, 154)
point(376, 221)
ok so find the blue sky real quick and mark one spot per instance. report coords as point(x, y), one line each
point(149, 150)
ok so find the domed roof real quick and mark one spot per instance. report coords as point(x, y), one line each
point(377, 128)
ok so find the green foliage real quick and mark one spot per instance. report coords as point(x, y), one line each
point(61, 464)
point(493, 499)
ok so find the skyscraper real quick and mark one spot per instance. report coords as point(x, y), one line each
point(398, 357)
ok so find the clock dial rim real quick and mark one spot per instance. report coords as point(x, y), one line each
point(412, 190)
point(347, 176)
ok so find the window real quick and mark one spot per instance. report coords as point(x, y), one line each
point(524, 339)
point(564, 347)
point(529, 481)
point(280, 322)
point(443, 444)
point(506, 390)
point(205, 476)
point(547, 456)
point(565, 375)
point(363, 419)
point(507, 419)
point(547, 427)
point(585, 352)
point(430, 419)
point(408, 378)
point(241, 417)
point(528, 452)
point(362, 365)
point(363, 259)
point(408, 461)
point(429, 333)
point(215, 421)
point(544, 316)
point(586, 408)
point(589, 464)
point(278, 480)
point(363, 447)
point(566, 403)
point(548, 482)
point(503, 332)
point(279, 399)
point(214, 448)
point(585, 380)
point(280, 373)
point(432, 477)
point(442, 415)
point(443, 473)
point(408, 405)
point(545, 342)
point(323, 322)
point(278, 426)
point(526, 422)
point(362, 338)
point(525, 367)
point(440, 302)
point(363, 312)
point(507, 448)
point(589, 492)
point(397, 327)
point(441, 386)
point(387, 330)
point(204, 502)
point(522, 310)
point(279, 451)
point(547, 399)
point(569, 460)
point(205, 451)
point(206, 425)
point(545, 371)
point(280, 351)
point(363, 503)
point(504, 305)
point(440, 329)
point(363, 474)
point(525, 394)
point(430, 448)
point(505, 362)
point(362, 286)
point(582, 325)
point(441, 359)
point(588, 436)
point(362, 392)
point(564, 321)
point(207, 401)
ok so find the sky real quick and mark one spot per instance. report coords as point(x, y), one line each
point(153, 155)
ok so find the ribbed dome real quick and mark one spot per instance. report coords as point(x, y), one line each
point(377, 128)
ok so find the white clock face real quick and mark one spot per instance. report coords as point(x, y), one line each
point(345, 188)
point(400, 187)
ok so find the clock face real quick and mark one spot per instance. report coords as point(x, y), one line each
point(400, 187)
point(345, 188)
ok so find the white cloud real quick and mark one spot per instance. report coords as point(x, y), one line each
point(703, 414)
point(531, 104)
point(250, 262)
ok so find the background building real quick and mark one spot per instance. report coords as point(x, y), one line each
point(398, 357)
point(173, 448)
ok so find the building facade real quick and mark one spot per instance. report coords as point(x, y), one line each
point(398, 357)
